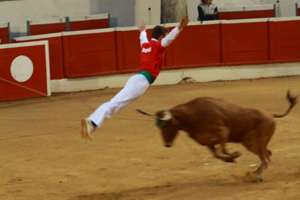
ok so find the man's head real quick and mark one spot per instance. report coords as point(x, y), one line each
point(207, 2)
point(159, 31)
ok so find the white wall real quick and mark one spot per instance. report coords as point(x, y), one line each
point(121, 14)
point(18, 12)
point(124, 13)
point(287, 8)
point(121, 11)
point(148, 11)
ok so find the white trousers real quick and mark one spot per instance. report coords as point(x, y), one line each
point(134, 88)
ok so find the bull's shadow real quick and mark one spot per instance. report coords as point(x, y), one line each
point(153, 192)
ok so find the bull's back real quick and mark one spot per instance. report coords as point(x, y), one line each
point(201, 112)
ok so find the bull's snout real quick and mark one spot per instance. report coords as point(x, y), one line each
point(168, 145)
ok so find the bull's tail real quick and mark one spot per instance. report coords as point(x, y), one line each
point(293, 101)
point(145, 113)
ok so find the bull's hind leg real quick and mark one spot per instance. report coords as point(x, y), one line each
point(264, 157)
point(263, 166)
point(257, 142)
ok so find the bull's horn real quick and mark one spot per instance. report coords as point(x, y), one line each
point(167, 115)
point(145, 113)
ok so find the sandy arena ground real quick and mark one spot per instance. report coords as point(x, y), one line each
point(42, 155)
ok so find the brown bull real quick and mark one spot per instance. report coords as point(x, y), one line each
point(212, 121)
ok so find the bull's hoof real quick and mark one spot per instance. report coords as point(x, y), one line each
point(269, 152)
point(257, 180)
point(253, 177)
point(229, 159)
point(236, 154)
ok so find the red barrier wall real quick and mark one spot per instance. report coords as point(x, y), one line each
point(196, 46)
point(56, 52)
point(128, 50)
point(109, 51)
point(24, 71)
point(4, 35)
point(285, 41)
point(217, 43)
point(90, 54)
point(244, 44)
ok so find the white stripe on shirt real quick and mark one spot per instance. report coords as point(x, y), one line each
point(170, 37)
point(143, 37)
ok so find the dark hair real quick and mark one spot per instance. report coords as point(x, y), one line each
point(159, 31)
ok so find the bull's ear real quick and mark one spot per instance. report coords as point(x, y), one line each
point(167, 115)
point(159, 114)
point(164, 115)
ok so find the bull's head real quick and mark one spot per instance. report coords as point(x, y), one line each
point(167, 124)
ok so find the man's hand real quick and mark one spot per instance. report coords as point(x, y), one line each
point(142, 26)
point(184, 21)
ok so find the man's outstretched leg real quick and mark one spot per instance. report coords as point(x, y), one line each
point(134, 88)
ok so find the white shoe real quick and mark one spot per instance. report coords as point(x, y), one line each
point(87, 129)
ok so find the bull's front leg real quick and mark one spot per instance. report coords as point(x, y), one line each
point(233, 155)
point(223, 135)
point(224, 158)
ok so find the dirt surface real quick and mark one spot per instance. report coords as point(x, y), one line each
point(42, 155)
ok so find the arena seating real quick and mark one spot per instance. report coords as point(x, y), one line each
point(248, 12)
point(46, 26)
point(88, 22)
point(58, 25)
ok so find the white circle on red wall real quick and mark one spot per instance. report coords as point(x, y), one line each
point(21, 68)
